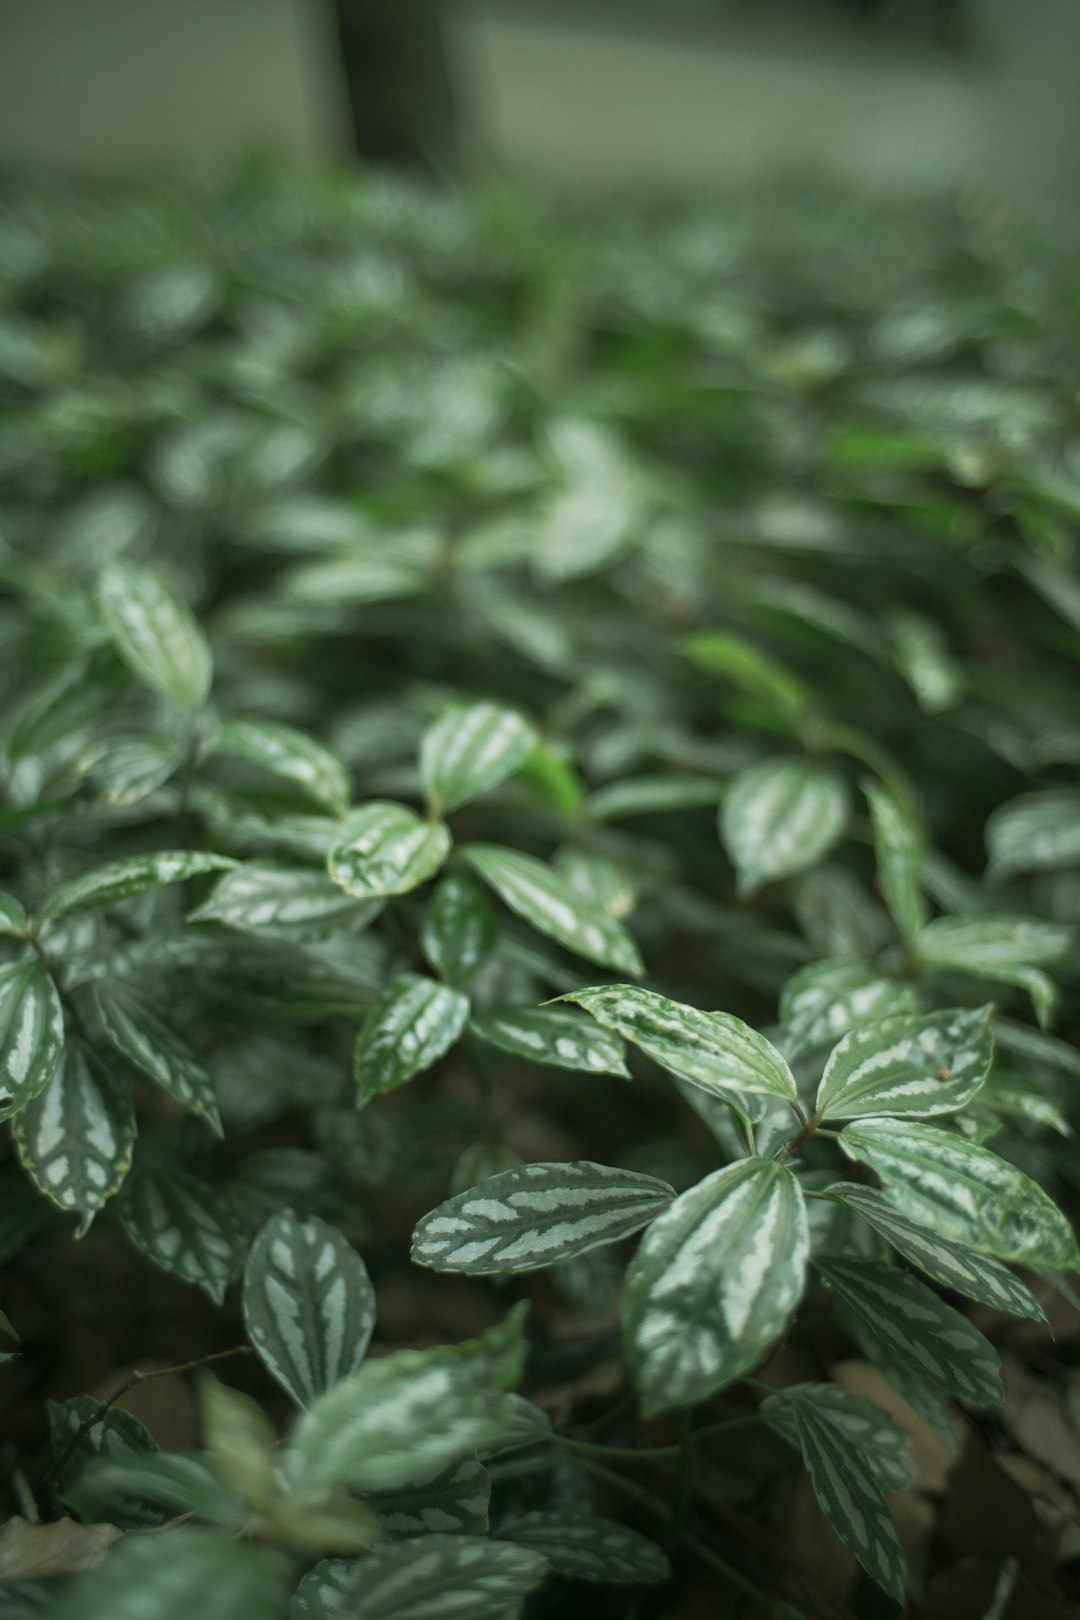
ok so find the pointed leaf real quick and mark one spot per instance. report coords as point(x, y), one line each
point(430, 1578)
point(553, 906)
point(385, 848)
point(139, 1032)
point(713, 1282)
point(155, 633)
point(535, 1215)
point(407, 1412)
point(877, 1442)
point(470, 750)
point(554, 1036)
point(82, 1429)
point(459, 930)
point(186, 1226)
point(184, 1484)
point(119, 880)
point(1037, 833)
point(588, 1548)
point(309, 1307)
point(916, 1328)
point(1009, 950)
point(13, 919)
point(189, 1571)
point(287, 752)
point(921, 1066)
point(650, 795)
point(410, 1025)
point(825, 999)
point(289, 902)
point(450, 1501)
point(1034, 1044)
point(713, 1050)
point(75, 1139)
point(964, 1192)
point(898, 849)
point(31, 1034)
point(780, 817)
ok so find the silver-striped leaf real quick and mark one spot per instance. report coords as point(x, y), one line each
point(155, 633)
point(550, 904)
point(916, 1329)
point(76, 1138)
point(190, 1571)
point(385, 848)
point(459, 931)
point(430, 1578)
point(411, 1024)
point(119, 880)
point(714, 1281)
point(451, 1501)
point(31, 1033)
point(133, 1024)
point(589, 1548)
point(469, 750)
point(1036, 833)
point(309, 1307)
point(532, 1216)
point(555, 1036)
point(1004, 949)
point(781, 816)
point(964, 1191)
point(82, 1429)
point(898, 849)
point(408, 1412)
point(823, 1000)
point(186, 1226)
point(294, 755)
point(933, 1064)
point(976, 1276)
point(884, 1447)
point(288, 902)
point(713, 1050)
point(185, 1484)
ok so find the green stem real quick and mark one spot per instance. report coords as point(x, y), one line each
point(589, 1448)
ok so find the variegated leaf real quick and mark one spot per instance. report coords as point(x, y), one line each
point(82, 1429)
point(408, 1412)
point(119, 880)
point(713, 1282)
point(309, 1307)
point(155, 633)
point(31, 1033)
point(875, 1439)
point(138, 1031)
point(430, 1578)
point(385, 849)
point(1005, 949)
point(76, 1138)
point(934, 1064)
point(916, 1329)
point(186, 1226)
point(964, 1192)
point(292, 754)
point(471, 749)
point(190, 1571)
point(452, 1501)
point(530, 1217)
point(555, 1036)
point(459, 931)
point(1038, 832)
point(410, 1025)
point(780, 817)
point(553, 906)
point(290, 902)
point(588, 1548)
point(823, 1000)
point(976, 1276)
point(898, 849)
point(713, 1050)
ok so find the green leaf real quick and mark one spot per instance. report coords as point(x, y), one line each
point(309, 1307)
point(537, 1214)
point(1010, 950)
point(470, 750)
point(849, 1495)
point(100, 1431)
point(713, 1282)
point(587, 1548)
point(410, 1026)
point(119, 880)
point(934, 1064)
point(917, 1329)
point(976, 1276)
point(13, 919)
point(1036, 833)
point(31, 1034)
point(384, 849)
point(127, 770)
point(408, 1412)
point(898, 849)
point(876, 1441)
point(138, 1031)
point(186, 1226)
point(75, 1139)
point(459, 931)
point(288, 902)
point(780, 817)
point(825, 999)
point(452, 1500)
point(760, 675)
point(292, 754)
point(712, 1050)
point(189, 1571)
point(155, 634)
point(70, 704)
point(553, 907)
point(554, 1036)
point(650, 795)
point(964, 1192)
point(1034, 1044)
point(182, 1484)
point(924, 660)
point(430, 1578)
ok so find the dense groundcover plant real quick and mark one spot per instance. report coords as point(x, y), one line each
point(559, 738)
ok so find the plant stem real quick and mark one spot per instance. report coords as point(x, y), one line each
point(590, 1448)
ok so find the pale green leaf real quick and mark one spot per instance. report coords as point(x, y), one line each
point(823, 1000)
point(430, 1578)
point(1038, 832)
point(924, 660)
point(555, 1036)
point(650, 795)
point(133, 1024)
point(932, 1064)
point(119, 880)
point(470, 750)
point(31, 1034)
point(189, 1571)
point(780, 817)
point(459, 930)
point(76, 1138)
point(552, 906)
point(409, 1027)
point(756, 672)
point(186, 1226)
point(385, 848)
point(1008, 949)
point(292, 754)
point(535, 1215)
point(309, 1307)
point(588, 1548)
point(898, 849)
point(289, 902)
point(714, 1281)
point(13, 919)
point(155, 633)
